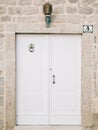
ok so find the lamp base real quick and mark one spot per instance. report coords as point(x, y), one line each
point(48, 20)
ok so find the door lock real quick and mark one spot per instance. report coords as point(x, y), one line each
point(53, 79)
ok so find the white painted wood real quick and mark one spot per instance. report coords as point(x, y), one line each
point(32, 79)
point(66, 92)
point(39, 101)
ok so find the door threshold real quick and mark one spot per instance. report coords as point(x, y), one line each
point(48, 128)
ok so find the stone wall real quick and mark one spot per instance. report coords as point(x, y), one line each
point(31, 11)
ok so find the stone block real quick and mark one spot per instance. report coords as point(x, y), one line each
point(88, 1)
point(14, 10)
point(1, 109)
point(73, 1)
point(85, 10)
point(24, 2)
point(59, 9)
point(75, 19)
point(1, 44)
point(95, 105)
point(1, 35)
point(38, 2)
point(1, 27)
point(6, 18)
point(1, 90)
point(58, 1)
point(87, 128)
point(1, 122)
point(2, 10)
point(30, 10)
point(14, 19)
point(1, 66)
point(1, 115)
point(1, 55)
point(71, 10)
point(8, 2)
point(29, 19)
point(1, 101)
point(95, 5)
point(1, 80)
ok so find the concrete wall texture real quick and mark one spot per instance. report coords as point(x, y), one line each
point(31, 12)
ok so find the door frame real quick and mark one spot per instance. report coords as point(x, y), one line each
point(87, 67)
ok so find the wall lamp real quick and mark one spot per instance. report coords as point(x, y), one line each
point(47, 10)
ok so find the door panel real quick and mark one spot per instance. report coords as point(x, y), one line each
point(40, 101)
point(66, 92)
point(32, 79)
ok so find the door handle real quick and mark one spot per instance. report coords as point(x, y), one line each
point(53, 79)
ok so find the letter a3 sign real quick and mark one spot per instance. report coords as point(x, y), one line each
point(87, 28)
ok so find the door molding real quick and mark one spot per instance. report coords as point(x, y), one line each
point(87, 67)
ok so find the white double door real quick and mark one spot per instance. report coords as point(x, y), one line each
point(48, 84)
